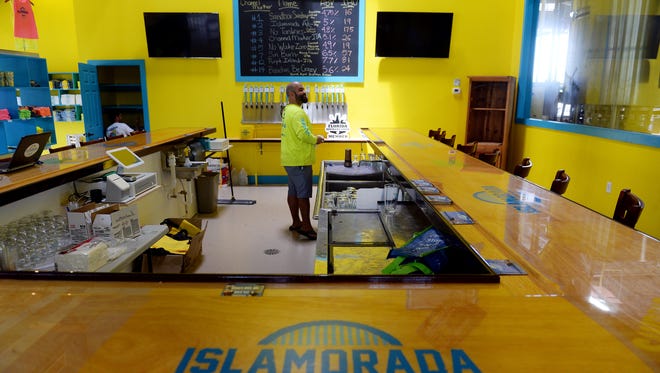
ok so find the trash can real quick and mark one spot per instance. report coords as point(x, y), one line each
point(206, 187)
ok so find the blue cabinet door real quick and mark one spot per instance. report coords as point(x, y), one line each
point(91, 99)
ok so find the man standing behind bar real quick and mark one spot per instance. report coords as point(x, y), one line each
point(298, 153)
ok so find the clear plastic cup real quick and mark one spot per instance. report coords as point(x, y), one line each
point(390, 197)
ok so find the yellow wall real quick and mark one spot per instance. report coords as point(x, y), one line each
point(394, 92)
point(591, 162)
point(57, 33)
point(413, 93)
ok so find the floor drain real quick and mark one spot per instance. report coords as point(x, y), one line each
point(271, 251)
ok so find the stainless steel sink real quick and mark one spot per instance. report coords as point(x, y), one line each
point(190, 172)
point(368, 228)
point(364, 170)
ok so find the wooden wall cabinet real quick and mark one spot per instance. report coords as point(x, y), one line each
point(490, 114)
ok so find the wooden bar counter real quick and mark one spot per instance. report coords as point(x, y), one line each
point(68, 165)
point(590, 301)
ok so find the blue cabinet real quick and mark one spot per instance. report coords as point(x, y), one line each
point(111, 86)
point(65, 96)
point(25, 84)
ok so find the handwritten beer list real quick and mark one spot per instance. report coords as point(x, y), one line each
point(299, 38)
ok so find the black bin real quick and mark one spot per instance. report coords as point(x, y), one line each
point(206, 187)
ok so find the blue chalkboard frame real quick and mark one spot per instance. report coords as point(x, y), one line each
point(357, 78)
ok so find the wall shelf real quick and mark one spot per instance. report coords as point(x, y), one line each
point(65, 96)
point(28, 86)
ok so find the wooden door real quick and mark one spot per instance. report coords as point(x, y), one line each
point(91, 98)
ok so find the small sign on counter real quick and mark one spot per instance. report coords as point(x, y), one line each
point(243, 290)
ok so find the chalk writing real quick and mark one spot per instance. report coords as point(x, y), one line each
point(299, 38)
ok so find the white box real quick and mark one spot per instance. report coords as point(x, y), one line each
point(130, 221)
point(74, 139)
point(107, 224)
point(80, 220)
point(213, 164)
point(87, 257)
point(68, 99)
point(218, 144)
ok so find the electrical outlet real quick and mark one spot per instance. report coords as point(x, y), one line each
point(608, 187)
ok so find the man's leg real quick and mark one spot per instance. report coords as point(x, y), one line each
point(303, 204)
point(300, 184)
point(294, 207)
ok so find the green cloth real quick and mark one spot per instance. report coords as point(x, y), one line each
point(298, 144)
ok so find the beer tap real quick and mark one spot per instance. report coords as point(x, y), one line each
point(245, 94)
point(342, 99)
point(307, 90)
point(335, 98)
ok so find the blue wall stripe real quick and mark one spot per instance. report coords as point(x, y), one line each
point(274, 180)
point(607, 133)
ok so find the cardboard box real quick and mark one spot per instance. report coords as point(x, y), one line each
point(173, 263)
point(81, 219)
point(116, 223)
point(107, 224)
point(130, 221)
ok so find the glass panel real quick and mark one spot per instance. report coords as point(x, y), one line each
point(357, 227)
point(596, 63)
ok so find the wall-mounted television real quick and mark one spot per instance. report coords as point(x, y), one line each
point(183, 35)
point(413, 34)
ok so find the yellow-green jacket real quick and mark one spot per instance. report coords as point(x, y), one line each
point(298, 144)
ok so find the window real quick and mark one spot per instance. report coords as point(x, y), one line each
point(592, 67)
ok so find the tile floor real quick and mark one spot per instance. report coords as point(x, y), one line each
point(255, 239)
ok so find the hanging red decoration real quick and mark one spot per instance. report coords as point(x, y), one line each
point(24, 24)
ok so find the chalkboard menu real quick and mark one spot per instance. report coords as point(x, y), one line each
point(306, 40)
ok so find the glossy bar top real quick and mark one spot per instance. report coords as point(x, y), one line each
point(589, 303)
point(606, 269)
point(277, 139)
point(55, 167)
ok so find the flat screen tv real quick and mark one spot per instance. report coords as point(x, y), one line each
point(184, 35)
point(413, 34)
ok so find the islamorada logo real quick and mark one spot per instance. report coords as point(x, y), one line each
point(493, 194)
point(327, 346)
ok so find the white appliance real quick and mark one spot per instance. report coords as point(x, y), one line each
point(125, 187)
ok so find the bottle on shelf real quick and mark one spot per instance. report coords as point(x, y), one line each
point(242, 177)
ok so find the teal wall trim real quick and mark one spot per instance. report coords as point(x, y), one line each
point(274, 180)
point(528, 47)
point(608, 133)
point(525, 93)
